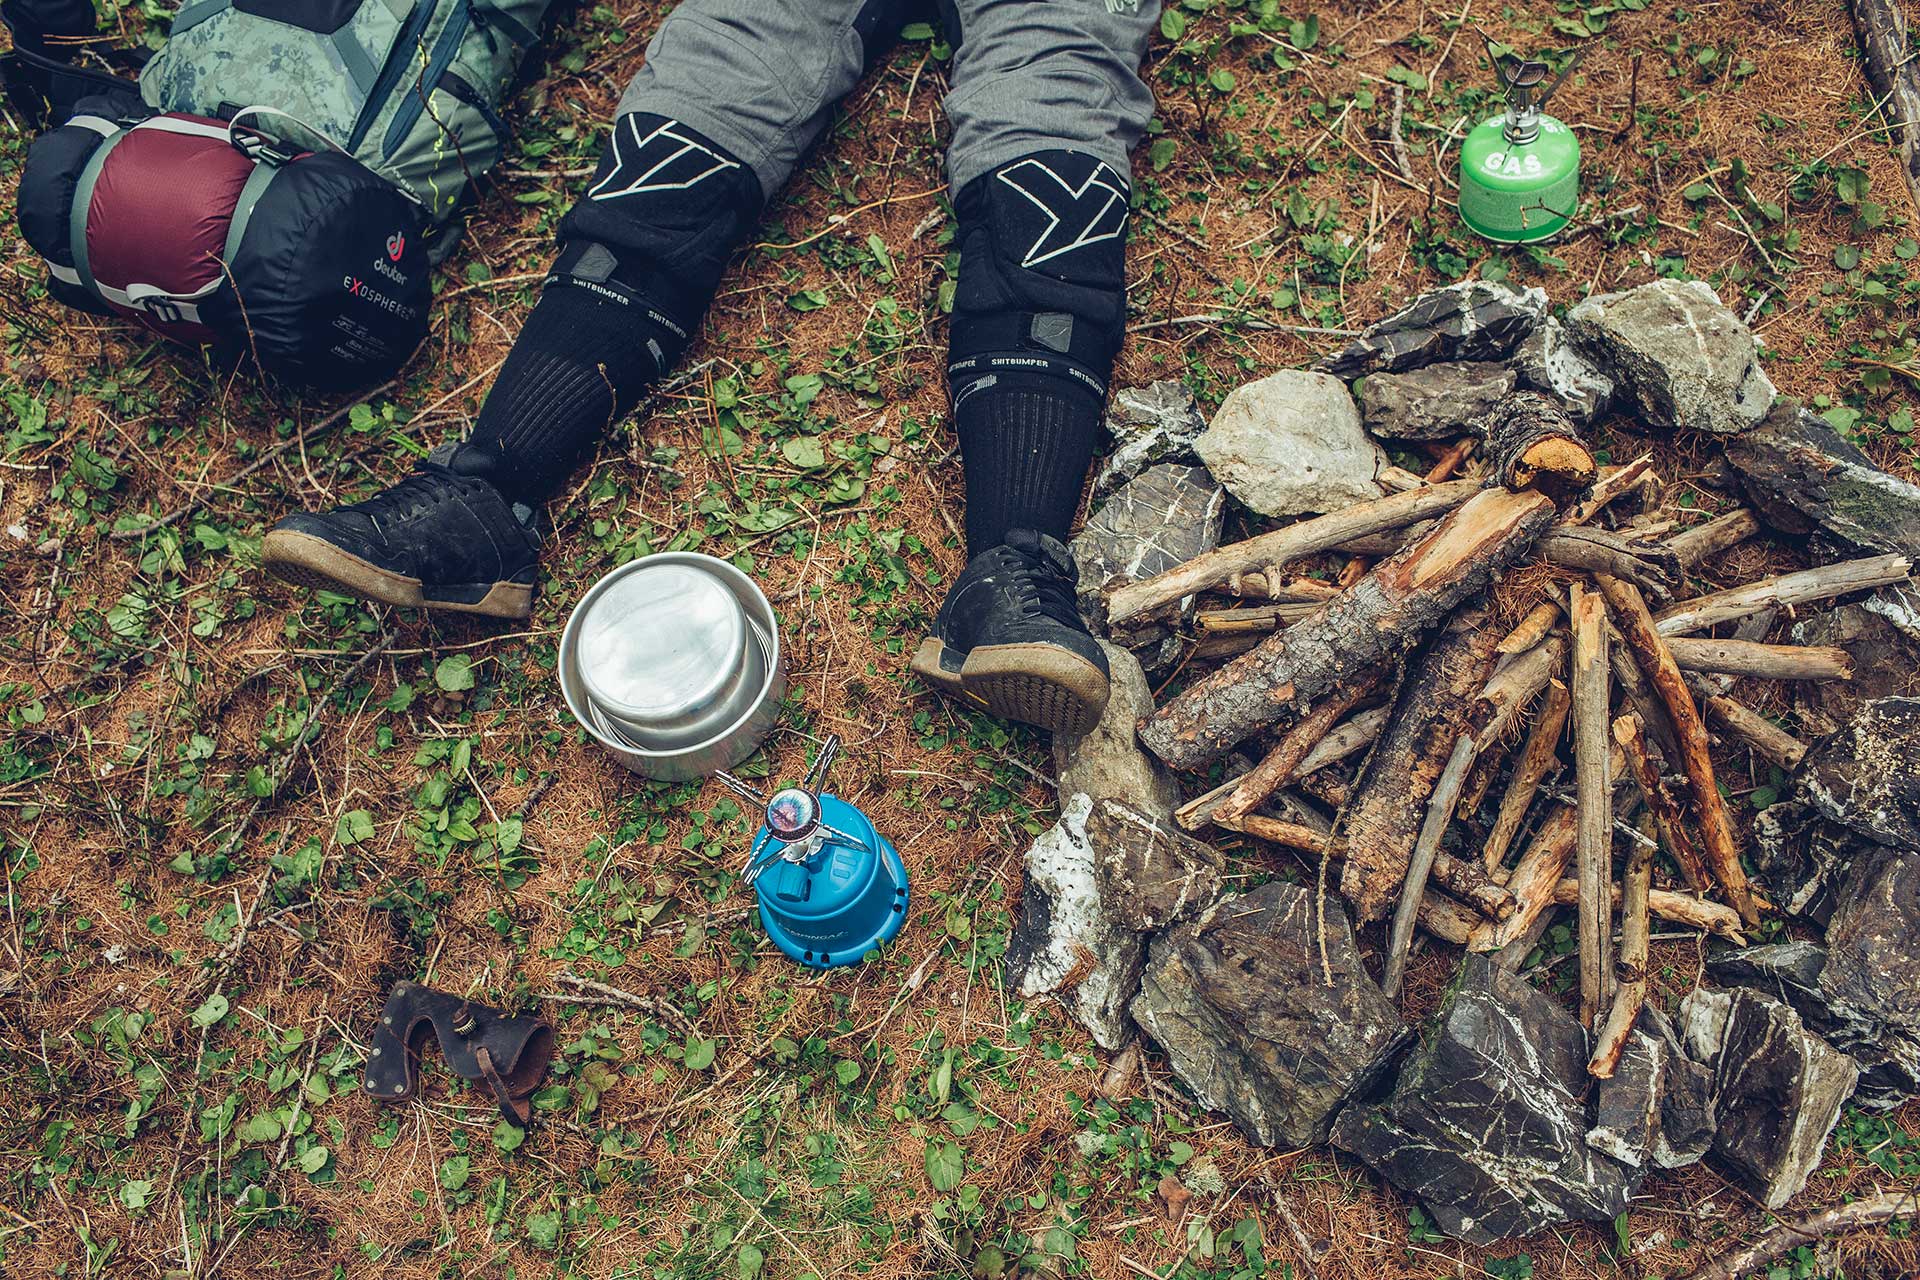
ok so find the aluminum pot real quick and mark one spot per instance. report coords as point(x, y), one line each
point(672, 663)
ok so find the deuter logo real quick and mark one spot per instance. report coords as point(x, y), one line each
point(396, 245)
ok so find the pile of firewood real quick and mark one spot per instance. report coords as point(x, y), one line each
point(1407, 660)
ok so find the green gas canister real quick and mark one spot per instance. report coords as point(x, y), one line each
point(1520, 169)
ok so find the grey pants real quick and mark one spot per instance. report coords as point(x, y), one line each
point(761, 77)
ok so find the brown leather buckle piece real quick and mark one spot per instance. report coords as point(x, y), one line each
point(479, 1042)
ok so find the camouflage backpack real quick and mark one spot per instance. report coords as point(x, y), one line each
point(409, 88)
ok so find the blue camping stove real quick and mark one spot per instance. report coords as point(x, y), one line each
point(831, 888)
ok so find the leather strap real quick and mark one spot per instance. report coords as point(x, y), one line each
point(480, 1043)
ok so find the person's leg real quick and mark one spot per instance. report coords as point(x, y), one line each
point(732, 94)
point(1046, 105)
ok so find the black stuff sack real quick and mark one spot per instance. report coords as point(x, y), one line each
point(209, 231)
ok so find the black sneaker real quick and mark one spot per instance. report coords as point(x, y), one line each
point(438, 540)
point(1009, 638)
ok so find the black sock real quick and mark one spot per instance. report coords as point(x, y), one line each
point(579, 365)
point(1026, 440)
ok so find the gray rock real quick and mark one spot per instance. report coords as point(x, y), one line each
point(1867, 776)
point(1548, 362)
point(1164, 517)
point(1886, 660)
point(1802, 475)
point(1238, 1000)
point(1656, 1110)
point(1155, 423)
point(1677, 354)
point(1486, 1124)
point(1777, 1087)
point(1472, 320)
point(1787, 971)
point(1899, 605)
point(1434, 402)
point(1801, 859)
point(1871, 983)
point(1107, 762)
point(1291, 444)
point(1067, 943)
point(1152, 875)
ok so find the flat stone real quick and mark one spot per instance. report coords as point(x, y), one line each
point(1155, 423)
point(1152, 874)
point(1434, 402)
point(1291, 444)
point(1677, 354)
point(1066, 943)
point(1107, 762)
point(1239, 1002)
point(1549, 363)
point(1866, 777)
point(1162, 518)
point(1801, 475)
point(1656, 1110)
point(1777, 1087)
point(1471, 320)
point(1486, 1124)
point(1871, 983)
point(1886, 660)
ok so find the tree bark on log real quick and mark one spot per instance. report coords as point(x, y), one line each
point(1803, 587)
point(1269, 551)
point(1593, 818)
point(1376, 620)
point(1536, 758)
point(1609, 486)
point(1435, 706)
point(1533, 445)
point(1696, 760)
point(1762, 661)
point(1896, 79)
point(1531, 629)
point(1277, 769)
point(1660, 803)
point(1640, 695)
point(1775, 745)
point(1676, 908)
point(1630, 975)
point(1349, 738)
point(1784, 1239)
point(1649, 565)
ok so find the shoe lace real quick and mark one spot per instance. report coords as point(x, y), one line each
point(411, 497)
point(1045, 590)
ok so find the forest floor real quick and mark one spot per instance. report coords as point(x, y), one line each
point(232, 814)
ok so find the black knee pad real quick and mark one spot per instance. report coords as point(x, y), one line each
point(1042, 284)
point(665, 211)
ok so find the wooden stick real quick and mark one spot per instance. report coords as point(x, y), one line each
point(1306, 538)
point(1763, 661)
point(1533, 444)
point(1347, 739)
point(1461, 877)
point(1439, 815)
point(1774, 744)
point(1511, 689)
point(1788, 589)
point(1609, 486)
point(1645, 702)
point(1593, 843)
point(1696, 760)
point(1676, 908)
point(1533, 879)
point(1630, 992)
point(1277, 769)
point(1872, 1211)
point(1532, 629)
point(1260, 619)
point(1666, 814)
point(1279, 590)
point(1389, 611)
point(1536, 758)
point(1701, 543)
point(1646, 564)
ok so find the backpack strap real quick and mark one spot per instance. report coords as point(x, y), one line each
point(250, 192)
point(494, 16)
point(83, 187)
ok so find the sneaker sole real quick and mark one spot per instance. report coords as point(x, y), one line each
point(1037, 684)
point(314, 563)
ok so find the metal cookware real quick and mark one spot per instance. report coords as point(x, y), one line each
point(672, 663)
